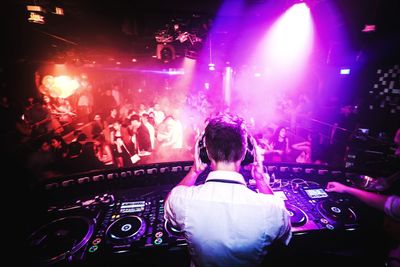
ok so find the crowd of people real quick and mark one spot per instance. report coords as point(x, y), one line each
point(117, 128)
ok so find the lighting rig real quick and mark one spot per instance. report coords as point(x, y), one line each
point(177, 36)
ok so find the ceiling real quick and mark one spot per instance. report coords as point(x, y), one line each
point(129, 26)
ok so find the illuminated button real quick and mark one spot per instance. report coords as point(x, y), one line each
point(93, 248)
point(159, 234)
point(323, 220)
point(158, 241)
point(126, 227)
point(330, 226)
point(96, 241)
point(336, 210)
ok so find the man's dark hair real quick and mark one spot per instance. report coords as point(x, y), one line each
point(82, 137)
point(226, 138)
point(135, 117)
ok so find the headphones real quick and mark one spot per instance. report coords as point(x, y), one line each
point(249, 157)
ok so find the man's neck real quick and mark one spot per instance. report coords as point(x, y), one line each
point(226, 166)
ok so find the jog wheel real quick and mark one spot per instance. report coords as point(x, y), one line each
point(126, 229)
point(60, 239)
point(297, 216)
point(337, 212)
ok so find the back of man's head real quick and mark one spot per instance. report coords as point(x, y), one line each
point(226, 138)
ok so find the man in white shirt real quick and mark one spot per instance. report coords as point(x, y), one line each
point(226, 223)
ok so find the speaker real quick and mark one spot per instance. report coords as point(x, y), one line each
point(249, 157)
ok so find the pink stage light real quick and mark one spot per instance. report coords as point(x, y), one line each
point(282, 57)
point(290, 40)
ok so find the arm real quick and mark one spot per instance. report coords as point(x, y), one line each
point(262, 182)
point(287, 148)
point(107, 156)
point(301, 146)
point(261, 178)
point(372, 199)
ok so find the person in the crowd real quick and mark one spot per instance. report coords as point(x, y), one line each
point(170, 134)
point(140, 135)
point(159, 115)
point(64, 111)
point(97, 125)
point(120, 149)
point(225, 223)
point(84, 106)
point(55, 124)
point(388, 204)
point(264, 143)
point(41, 161)
point(304, 148)
point(103, 151)
point(112, 118)
point(150, 128)
point(280, 145)
point(59, 147)
point(39, 118)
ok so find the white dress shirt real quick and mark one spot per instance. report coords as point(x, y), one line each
point(225, 223)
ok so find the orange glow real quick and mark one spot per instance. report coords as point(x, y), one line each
point(60, 86)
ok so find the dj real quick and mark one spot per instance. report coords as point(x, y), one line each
point(224, 222)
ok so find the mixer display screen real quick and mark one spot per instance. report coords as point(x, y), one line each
point(316, 193)
point(132, 206)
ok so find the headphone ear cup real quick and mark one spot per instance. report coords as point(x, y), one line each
point(203, 151)
point(250, 152)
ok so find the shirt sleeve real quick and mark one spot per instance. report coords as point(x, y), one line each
point(392, 207)
point(285, 233)
point(174, 207)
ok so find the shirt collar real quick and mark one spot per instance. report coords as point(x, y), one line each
point(226, 175)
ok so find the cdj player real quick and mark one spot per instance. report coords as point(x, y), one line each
point(94, 230)
point(130, 223)
point(310, 207)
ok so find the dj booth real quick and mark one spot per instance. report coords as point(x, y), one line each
point(116, 218)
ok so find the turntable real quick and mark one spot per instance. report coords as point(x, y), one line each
point(311, 208)
point(126, 229)
point(337, 212)
point(173, 232)
point(64, 234)
point(297, 216)
point(60, 239)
